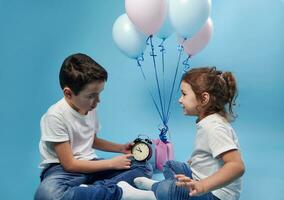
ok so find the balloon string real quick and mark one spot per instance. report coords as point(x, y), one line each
point(164, 129)
point(163, 50)
point(157, 79)
point(163, 133)
point(180, 49)
point(186, 64)
point(145, 79)
point(140, 59)
point(186, 67)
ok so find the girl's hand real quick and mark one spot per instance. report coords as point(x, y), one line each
point(121, 162)
point(182, 180)
point(196, 188)
point(189, 162)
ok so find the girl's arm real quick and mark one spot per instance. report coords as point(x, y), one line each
point(105, 145)
point(233, 168)
point(70, 164)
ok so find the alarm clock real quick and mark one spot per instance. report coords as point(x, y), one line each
point(141, 150)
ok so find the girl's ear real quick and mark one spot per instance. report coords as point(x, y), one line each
point(205, 97)
point(67, 92)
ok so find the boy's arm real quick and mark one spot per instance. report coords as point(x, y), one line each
point(105, 145)
point(69, 163)
point(233, 168)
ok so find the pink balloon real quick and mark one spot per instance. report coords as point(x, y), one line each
point(147, 15)
point(200, 40)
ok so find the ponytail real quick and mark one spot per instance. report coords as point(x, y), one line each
point(231, 90)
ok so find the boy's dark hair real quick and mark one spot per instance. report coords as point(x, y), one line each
point(78, 70)
point(221, 86)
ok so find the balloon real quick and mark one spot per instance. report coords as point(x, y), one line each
point(198, 42)
point(167, 29)
point(188, 16)
point(128, 38)
point(147, 15)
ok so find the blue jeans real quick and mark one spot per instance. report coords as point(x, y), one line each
point(167, 189)
point(56, 183)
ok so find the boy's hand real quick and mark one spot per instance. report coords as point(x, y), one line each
point(126, 148)
point(121, 162)
point(196, 188)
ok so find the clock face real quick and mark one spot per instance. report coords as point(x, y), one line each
point(140, 151)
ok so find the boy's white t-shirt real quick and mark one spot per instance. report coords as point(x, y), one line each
point(214, 136)
point(62, 123)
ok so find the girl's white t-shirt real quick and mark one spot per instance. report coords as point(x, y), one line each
point(214, 136)
point(62, 123)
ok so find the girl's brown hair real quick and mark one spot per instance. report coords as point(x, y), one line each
point(221, 86)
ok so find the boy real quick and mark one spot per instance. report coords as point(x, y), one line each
point(71, 169)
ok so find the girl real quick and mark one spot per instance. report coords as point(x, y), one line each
point(215, 167)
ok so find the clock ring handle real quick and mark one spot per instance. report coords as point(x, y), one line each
point(147, 138)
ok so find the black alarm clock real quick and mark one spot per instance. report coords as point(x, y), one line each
point(141, 150)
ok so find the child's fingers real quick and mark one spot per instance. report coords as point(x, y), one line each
point(179, 175)
point(182, 184)
point(127, 164)
point(184, 179)
point(128, 155)
point(127, 167)
point(193, 192)
point(131, 144)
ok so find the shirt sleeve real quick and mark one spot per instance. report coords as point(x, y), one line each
point(53, 129)
point(98, 126)
point(221, 140)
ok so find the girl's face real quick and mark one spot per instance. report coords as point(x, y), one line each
point(188, 100)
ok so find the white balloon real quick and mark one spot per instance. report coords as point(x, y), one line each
point(128, 38)
point(188, 16)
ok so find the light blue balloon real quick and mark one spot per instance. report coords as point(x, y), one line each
point(128, 38)
point(188, 16)
point(167, 28)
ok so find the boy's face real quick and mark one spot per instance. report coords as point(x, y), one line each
point(87, 99)
point(188, 99)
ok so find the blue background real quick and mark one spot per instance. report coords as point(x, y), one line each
point(35, 37)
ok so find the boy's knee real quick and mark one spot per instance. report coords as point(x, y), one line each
point(43, 193)
point(145, 168)
point(148, 169)
point(47, 192)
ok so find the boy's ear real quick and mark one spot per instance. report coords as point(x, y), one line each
point(67, 92)
point(205, 97)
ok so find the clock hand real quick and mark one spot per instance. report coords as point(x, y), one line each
point(138, 149)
